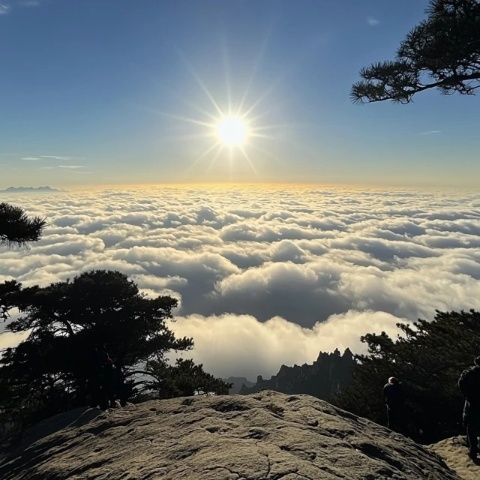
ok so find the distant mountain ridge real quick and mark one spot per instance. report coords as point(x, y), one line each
point(237, 384)
point(329, 374)
point(44, 188)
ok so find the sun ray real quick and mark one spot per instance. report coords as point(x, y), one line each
point(270, 128)
point(206, 152)
point(262, 135)
point(200, 110)
point(252, 166)
point(185, 137)
point(201, 84)
point(187, 119)
point(226, 66)
point(213, 160)
point(173, 116)
point(258, 101)
point(261, 53)
point(263, 151)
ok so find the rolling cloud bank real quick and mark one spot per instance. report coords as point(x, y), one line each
point(265, 275)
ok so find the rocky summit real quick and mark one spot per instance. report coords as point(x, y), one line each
point(267, 435)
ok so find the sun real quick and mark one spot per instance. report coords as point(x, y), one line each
point(232, 131)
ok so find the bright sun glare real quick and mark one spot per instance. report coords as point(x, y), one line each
point(232, 131)
point(233, 128)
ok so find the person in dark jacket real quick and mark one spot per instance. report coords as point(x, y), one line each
point(101, 378)
point(469, 384)
point(121, 389)
point(393, 397)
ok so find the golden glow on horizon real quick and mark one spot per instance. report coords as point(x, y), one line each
point(232, 131)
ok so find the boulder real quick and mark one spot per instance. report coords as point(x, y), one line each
point(454, 452)
point(267, 435)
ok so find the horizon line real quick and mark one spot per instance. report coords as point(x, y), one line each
point(64, 188)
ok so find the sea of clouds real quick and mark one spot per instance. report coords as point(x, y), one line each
point(265, 275)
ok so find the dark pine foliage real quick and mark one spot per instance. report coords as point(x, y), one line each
point(185, 378)
point(428, 357)
point(16, 227)
point(8, 292)
point(68, 323)
point(441, 52)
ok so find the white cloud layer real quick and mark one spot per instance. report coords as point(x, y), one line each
point(261, 347)
point(266, 275)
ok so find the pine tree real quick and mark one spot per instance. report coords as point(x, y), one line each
point(71, 326)
point(16, 227)
point(428, 358)
point(441, 52)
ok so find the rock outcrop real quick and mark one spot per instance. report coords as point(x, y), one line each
point(454, 453)
point(237, 383)
point(267, 435)
point(328, 375)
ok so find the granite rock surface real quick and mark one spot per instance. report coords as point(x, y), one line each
point(267, 435)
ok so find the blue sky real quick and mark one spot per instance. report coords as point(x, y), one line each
point(94, 92)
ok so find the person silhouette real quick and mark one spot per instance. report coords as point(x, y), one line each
point(393, 397)
point(120, 388)
point(101, 378)
point(469, 384)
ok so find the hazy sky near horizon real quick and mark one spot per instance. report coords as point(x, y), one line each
point(99, 92)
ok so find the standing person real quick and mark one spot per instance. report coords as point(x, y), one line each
point(469, 384)
point(101, 379)
point(393, 397)
point(120, 387)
